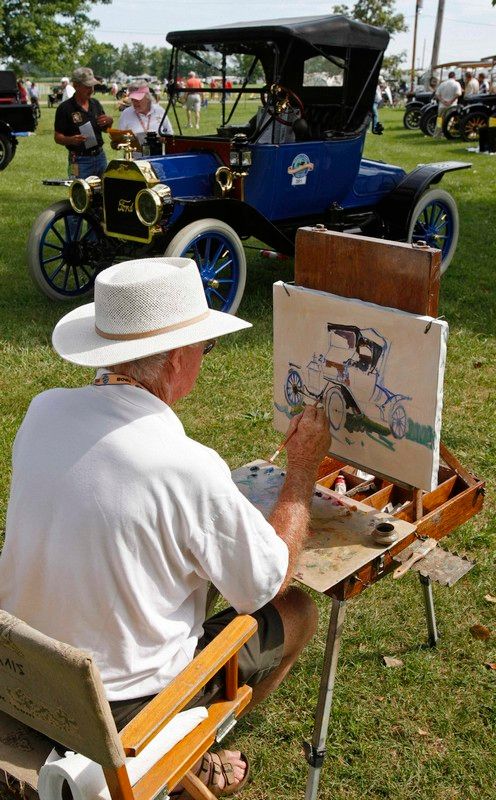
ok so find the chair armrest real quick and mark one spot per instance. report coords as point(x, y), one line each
point(177, 694)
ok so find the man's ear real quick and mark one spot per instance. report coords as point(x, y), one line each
point(175, 359)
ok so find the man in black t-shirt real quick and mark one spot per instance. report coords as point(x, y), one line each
point(79, 123)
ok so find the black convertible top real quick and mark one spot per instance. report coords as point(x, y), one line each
point(320, 31)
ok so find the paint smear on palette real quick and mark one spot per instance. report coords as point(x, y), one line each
point(340, 541)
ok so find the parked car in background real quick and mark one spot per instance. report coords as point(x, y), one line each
point(298, 160)
point(416, 102)
point(16, 118)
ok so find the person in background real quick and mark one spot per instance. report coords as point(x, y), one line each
point(377, 128)
point(471, 84)
point(483, 83)
point(67, 89)
point(21, 90)
point(447, 94)
point(193, 99)
point(34, 95)
point(143, 116)
point(86, 156)
point(214, 86)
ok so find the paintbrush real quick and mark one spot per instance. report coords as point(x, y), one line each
point(290, 435)
point(419, 553)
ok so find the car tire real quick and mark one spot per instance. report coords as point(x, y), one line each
point(451, 124)
point(411, 118)
point(336, 409)
point(427, 122)
point(220, 257)
point(398, 421)
point(60, 245)
point(435, 216)
point(293, 388)
point(470, 125)
point(6, 151)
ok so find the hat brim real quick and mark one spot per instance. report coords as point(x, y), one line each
point(75, 339)
point(139, 94)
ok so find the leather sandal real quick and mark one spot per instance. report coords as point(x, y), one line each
point(213, 766)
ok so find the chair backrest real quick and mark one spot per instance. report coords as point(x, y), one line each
point(57, 690)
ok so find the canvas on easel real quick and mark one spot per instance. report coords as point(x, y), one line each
point(378, 372)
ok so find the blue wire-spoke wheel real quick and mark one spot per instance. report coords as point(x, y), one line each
point(65, 252)
point(435, 221)
point(398, 421)
point(219, 255)
point(293, 390)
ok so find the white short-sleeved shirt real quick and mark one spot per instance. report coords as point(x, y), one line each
point(448, 92)
point(141, 124)
point(69, 91)
point(116, 523)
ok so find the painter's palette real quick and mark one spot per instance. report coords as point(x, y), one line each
point(340, 542)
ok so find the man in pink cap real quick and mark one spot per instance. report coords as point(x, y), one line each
point(143, 115)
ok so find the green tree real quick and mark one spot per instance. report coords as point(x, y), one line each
point(49, 33)
point(102, 57)
point(392, 65)
point(375, 12)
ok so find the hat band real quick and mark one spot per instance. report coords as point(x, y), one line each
point(144, 335)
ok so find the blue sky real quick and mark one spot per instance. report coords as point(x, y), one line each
point(469, 30)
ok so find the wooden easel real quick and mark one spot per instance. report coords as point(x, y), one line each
point(399, 276)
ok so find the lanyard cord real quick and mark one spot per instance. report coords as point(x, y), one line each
point(148, 119)
point(114, 378)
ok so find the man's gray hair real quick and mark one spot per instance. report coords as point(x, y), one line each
point(144, 370)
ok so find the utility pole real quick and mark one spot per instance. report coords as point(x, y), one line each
point(418, 9)
point(437, 35)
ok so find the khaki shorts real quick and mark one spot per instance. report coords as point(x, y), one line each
point(261, 654)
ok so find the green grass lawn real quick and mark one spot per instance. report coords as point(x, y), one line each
point(424, 730)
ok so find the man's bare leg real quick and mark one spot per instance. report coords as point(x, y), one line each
point(299, 617)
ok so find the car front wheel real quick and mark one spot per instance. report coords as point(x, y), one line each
point(65, 252)
point(471, 124)
point(219, 255)
point(411, 118)
point(427, 121)
point(435, 221)
point(6, 151)
point(451, 124)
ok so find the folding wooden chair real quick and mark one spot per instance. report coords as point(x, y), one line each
point(56, 690)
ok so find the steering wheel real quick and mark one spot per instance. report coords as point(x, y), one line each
point(278, 99)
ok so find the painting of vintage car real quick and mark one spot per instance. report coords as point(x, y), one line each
point(349, 381)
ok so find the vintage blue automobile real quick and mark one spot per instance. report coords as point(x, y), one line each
point(296, 161)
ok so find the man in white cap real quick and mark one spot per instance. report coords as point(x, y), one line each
point(67, 89)
point(143, 116)
point(79, 123)
point(117, 520)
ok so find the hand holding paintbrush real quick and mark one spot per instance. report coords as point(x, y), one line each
point(293, 430)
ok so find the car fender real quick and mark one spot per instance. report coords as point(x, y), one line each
point(414, 104)
point(242, 217)
point(481, 108)
point(397, 207)
point(6, 129)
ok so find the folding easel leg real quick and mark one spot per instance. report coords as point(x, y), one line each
point(315, 751)
point(429, 610)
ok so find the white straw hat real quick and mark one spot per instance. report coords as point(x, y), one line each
point(141, 307)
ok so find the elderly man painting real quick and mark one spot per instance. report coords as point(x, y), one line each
point(143, 116)
point(117, 520)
